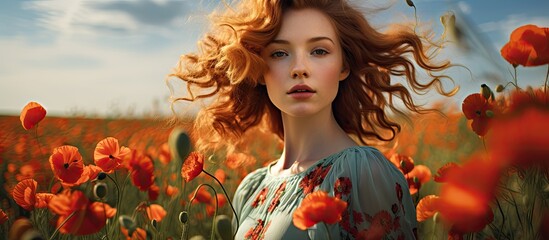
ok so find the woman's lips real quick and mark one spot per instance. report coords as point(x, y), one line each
point(301, 91)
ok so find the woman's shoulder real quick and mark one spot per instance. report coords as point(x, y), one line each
point(364, 160)
point(252, 181)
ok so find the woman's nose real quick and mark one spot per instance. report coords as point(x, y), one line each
point(300, 67)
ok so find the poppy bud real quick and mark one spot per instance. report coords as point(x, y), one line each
point(179, 144)
point(489, 113)
point(500, 88)
point(223, 227)
point(486, 92)
point(154, 223)
point(100, 190)
point(410, 3)
point(128, 223)
point(184, 217)
point(101, 176)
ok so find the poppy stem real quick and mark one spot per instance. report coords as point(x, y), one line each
point(545, 84)
point(228, 198)
point(61, 225)
point(327, 230)
point(118, 199)
point(515, 78)
point(212, 237)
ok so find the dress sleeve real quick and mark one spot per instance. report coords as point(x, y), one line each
point(379, 202)
point(245, 189)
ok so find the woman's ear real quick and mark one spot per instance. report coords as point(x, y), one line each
point(344, 73)
point(261, 81)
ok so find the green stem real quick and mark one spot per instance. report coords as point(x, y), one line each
point(515, 78)
point(545, 85)
point(106, 225)
point(212, 237)
point(117, 200)
point(60, 226)
point(327, 231)
point(226, 195)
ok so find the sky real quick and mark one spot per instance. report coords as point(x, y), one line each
point(110, 58)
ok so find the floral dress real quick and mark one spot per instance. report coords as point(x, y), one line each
point(379, 203)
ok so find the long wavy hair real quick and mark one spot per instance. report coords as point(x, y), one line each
point(229, 67)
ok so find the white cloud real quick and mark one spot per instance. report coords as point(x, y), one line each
point(504, 27)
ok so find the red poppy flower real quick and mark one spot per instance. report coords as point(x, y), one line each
point(153, 192)
point(66, 164)
point(440, 177)
point(318, 207)
point(31, 115)
point(477, 108)
point(89, 217)
point(24, 193)
point(221, 200)
point(464, 199)
point(192, 166)
point(138, 234)
point(427, 207)
point(156, 212)
point(108, 154)
point(142, 170)
point(220, 175)
point(3, 217)
point(202, 196)
point(522, 140)
point(419, 175)
point(402, 162)
point(520, 100)
point(43, 199)
point(171, 190)
point(529, 46)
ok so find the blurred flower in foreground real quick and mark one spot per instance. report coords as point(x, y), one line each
point(522, 140)
point(66, 164)
point(192, 166)
point(82, 216)
point(528, 46)
point(31, 115)
point(108, 154)
point(466, 195)
point(318, 207)
point(477, 108)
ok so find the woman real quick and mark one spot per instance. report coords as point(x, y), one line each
point(317, 75)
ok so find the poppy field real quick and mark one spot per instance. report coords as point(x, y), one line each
point(476, 172)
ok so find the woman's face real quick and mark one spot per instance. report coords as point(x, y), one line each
point(305, 64)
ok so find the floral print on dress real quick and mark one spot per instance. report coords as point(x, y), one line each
point(342, 187)
point(258, 231)
point(260, 198)
point(276, 199)
point(360, 225)
point(314, 178)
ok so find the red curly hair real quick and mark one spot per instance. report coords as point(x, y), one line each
point(230, 67)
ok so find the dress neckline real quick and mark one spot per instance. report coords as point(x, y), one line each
point(317, 163)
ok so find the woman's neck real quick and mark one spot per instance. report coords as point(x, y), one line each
point(309, 139)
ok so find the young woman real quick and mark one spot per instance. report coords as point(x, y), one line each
point(319, 76)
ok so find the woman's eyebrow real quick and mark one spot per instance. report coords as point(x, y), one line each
point(315, 39)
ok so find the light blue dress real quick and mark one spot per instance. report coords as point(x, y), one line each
point(379, 203)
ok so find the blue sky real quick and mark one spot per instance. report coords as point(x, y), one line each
point(108, 57)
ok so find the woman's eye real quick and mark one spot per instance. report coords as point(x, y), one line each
point(278, 54)
point(319, 52)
